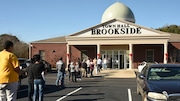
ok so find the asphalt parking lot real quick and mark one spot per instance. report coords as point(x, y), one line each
point(109, 85)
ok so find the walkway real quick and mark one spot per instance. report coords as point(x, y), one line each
point(118, 73)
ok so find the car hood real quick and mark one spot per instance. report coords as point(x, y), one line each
point(169, 86)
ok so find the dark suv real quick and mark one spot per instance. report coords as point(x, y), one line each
point(159, 82)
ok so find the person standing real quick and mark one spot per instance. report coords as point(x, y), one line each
point(30, 81)
point(77, 71)
point(95, 65)
point(9, 73)
point(91, 67)
point(60, 75)
point(73, 72)
point(88, 65)
point(37, 69)
point(105, 63)
point(69, 71)
point(84, 68)
point(80, 66)
point(99, 64)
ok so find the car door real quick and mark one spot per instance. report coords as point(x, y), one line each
point(141, 80)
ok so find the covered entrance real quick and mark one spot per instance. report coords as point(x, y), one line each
point(115, 40)
point(117, 59)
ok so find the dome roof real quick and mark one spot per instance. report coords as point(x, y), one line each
point(119, 11)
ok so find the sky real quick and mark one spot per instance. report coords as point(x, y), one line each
point(33, 20)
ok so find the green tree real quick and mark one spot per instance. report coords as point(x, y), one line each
point(173, 56)
point(170, 29)
point(20, 48)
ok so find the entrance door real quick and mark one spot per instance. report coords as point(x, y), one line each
point(121, 59)
point(117, 59)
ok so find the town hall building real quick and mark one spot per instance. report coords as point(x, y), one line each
point(117, 38)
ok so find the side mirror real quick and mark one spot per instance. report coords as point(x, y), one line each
point(141, 76)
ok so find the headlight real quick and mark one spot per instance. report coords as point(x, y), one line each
point(158, 96)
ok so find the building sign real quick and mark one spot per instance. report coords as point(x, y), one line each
point(115, 29)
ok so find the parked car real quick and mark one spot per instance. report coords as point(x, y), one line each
point(47, 65)
point(159, 82)
point(143, 64)
point(22, 62)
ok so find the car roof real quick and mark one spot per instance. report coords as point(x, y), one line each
point(164, 65)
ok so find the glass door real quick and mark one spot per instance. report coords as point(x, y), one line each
point(115, 59)
point(121, 59)
point(109, 57)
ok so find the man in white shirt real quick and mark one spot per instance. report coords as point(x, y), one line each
point(99, 64)
point(60, 75)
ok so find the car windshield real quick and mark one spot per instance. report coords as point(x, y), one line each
point(164, 73)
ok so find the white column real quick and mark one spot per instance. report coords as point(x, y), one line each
point(30, 50)
point(98, 50)
point(165, 53)
point(125, 62)
point(67, 55)
point(130, 56)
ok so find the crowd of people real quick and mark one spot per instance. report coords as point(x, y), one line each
point(76, 70)
point(85, 68)
point(10, 71)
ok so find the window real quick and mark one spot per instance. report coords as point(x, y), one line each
point(150, 55)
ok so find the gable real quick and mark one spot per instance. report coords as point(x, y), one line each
point(118, 28)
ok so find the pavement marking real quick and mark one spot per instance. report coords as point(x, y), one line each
point(129, 95)
point(69, 94)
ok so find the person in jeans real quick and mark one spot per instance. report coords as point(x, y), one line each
point(99, 64)
point(37, 68)
point(73, 72)
point(84, 68)
point(30, 81)
point(69, 71)
point(91, 67)
point(61, 71)
point(9, 73)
